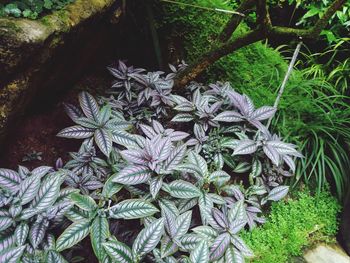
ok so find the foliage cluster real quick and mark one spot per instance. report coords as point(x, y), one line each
point(313, 112)
point(193, 184)
point(31, 8)
point(293, 225)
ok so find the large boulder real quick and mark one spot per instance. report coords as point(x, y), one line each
point(46, 55)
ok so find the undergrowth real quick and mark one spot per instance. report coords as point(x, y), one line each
point(293, 225)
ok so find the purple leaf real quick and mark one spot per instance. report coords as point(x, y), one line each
point(263, 113)
point(89, 105)
point(76, 132)
point(246, 146)
point(219, 246)
point(133, 175)
point(272, 154)
point(278, 193)
point(229, 116)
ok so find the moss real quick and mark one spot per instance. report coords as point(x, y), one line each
point(247, 69)
point(293, 225)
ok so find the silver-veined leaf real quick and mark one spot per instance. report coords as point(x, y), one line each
point(183, 189)
point(103, 139)
point(132, 209)
point(37, 231)
point(219, 246)
point(241, 246)
point(182, 117)
point(84, 202)
point(246, 146)
point(9, 179)
point(12, 255)
point(76, 132)
point(54, 257)
point(48, 193)
point(132, 175)
point(278, 193)
point(263, 113)
point(229, 116)
point(99, 232)
point(167, 247)
point(21, 233)
point(118, 251)
point(5, 220)
point(200, 254)
point(28, 189)
point(73, 234)
point(182, 224)
point(89, 105)
point(148, 238)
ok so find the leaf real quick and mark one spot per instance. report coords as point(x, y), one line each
point(148, 238)
point(183, 189)
point(37, 232)
point(245, 147)
point(182, 117)
point(118, 251)
point(256, 168)
point(206, 232)
point(103, 140)
point(233, 255)
point(241, 246)
point(219, 177)
point(174, 158)
point(12, 255)
point(167, 247)
point(84, 202)
point(48, 193)
point(134, 156)
point(28, 189)
point(21, 233)
point(272, 154)
point(5, 220)
point(73, 235)
point(199, 161)
point(132, 209)
point(182, 224)
point(278, 193)
point(242, 167)
point(104, 114)
point(54, 257)
point(76, 132)
point(9, 179)
point(237, 212)
point(229, 116)
point(200, 254)
point(72, 111)
point(132, 175)
point(219, 246)
point(284, 148)
point(110, 188)
point(155, 185)
point(87, 123)
point(89, 105)
point(190, 241)
point(263, 113)
point(99, 232)
point(123, 138)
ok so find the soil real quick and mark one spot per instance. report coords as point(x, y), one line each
point(37, 130)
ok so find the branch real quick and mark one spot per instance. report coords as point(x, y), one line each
point(312, 32)
point(213, 55)
point(235, 20)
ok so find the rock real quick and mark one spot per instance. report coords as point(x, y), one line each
point(326, 254)
point(46, 55)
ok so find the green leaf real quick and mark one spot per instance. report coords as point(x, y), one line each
point(99, 232)
point(118, 251)
point(201, 253)
point(183, 189)
point(48, 193)
point(148, 238)
point(132, 209)
point(73, 235)
point(84, 202)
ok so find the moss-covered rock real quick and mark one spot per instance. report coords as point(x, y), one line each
point(38, 55)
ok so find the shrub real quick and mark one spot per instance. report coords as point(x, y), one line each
point(194, 178)
point(312, 112)
point(292, 225)
point(31, 9)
